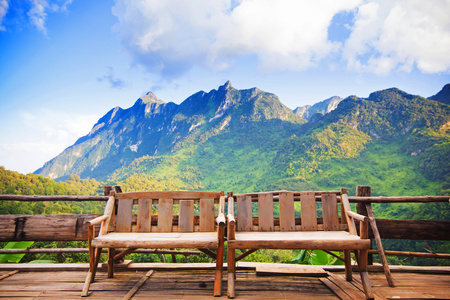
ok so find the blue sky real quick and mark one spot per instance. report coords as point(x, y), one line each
point(65, 63)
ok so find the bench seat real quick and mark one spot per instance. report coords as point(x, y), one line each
point(157, 240)
point(322, 240)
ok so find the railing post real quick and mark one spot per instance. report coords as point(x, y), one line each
point(364, 191)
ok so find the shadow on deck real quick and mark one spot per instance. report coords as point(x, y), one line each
point(195, 281)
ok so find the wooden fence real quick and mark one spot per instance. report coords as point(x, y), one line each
point(72, 227)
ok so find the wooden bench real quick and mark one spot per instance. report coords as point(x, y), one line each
point(290, 232)
point(128, 223)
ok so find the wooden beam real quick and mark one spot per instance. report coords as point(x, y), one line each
point(86, 250)
point(413, 254)
point(245, 254)
point(406, 199)
point(52, 198)
point(413, 229)
point(380, 249)
point(138, 285)
point(9, 274)
point(210, 253)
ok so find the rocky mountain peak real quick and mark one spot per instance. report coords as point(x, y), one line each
point(323, 107)
point(150, 98)
point(226, 86)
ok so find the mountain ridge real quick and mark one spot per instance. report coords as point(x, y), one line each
point(195, 144)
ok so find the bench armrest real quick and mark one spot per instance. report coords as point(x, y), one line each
point(104, 219)
point(363, 223)
point(220, 220)
point(97, 220)
point(231, 220)
point(357, 216)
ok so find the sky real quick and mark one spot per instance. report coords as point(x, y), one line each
point(66, 63)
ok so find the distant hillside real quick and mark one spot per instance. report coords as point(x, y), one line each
point(247, 140)
point(19, 184)
point(443, 96)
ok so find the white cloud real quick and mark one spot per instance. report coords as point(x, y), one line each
point(57, 126)
point(48, 134)
point(398, 35)
point(3, 10)
point(37, 11)
point(170, 37)
point(38, 15)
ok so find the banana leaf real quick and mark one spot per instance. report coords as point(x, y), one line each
point(14, 258)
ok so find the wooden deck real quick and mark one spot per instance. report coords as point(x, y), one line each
point(195, 281)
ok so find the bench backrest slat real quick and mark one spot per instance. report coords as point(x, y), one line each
point(207, 214)
point(308, 211)
point(124, 214)
point(244, 211)
point(144, 217)
point(330, 212)
point(265, 209)
point(287, 212)
point(165, 213)
point(186, 219)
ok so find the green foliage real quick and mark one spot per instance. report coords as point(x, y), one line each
point(316, 257)
point(14, 258)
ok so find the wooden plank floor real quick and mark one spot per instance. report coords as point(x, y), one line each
point(198, 284)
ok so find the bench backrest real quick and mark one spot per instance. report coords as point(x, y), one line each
point(290, 204)
point(176, 211)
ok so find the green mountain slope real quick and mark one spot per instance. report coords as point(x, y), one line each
point(247, 140)
point(395, 142)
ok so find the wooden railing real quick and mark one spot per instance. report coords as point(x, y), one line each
point(72, 227)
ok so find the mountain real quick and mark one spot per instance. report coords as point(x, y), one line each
point(396, 142)
point(153, 129)
point(247, 140)
point(443, 96)
point(308, 112)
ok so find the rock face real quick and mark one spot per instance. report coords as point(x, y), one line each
point(324, 107)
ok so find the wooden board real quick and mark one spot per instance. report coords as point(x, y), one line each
point(124, 214)
point(287, 212)
point(165, 213)
point(186, 217)
point(306, 271)
point(144, 217)
point(308, 211)
point(207, 214)
point(169, 194)
point(265, 212)
point(244, 213)
point(330, 212)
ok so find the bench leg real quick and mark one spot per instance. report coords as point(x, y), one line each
point(219, 264)
point(111, 253)
point(362, 265)
point(348, 265)
point(98, 252)
point(231, 276)
point(94, 256)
